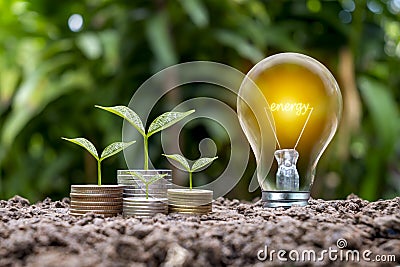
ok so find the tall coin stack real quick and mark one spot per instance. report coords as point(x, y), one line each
point(188, 201)
point(104, 200)
point(135, 202)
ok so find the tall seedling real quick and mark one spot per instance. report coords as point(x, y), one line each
point(160, 123)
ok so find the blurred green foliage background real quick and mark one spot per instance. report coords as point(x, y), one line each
point(60, 58)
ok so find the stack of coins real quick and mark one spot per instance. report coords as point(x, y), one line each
point(105, 200)
point(188, 201)
point(134, 187)
point(144, 208)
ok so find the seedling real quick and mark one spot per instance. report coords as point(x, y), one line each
point(198, 164)
point(109, 151)
point(146, 182)
point(160, 123)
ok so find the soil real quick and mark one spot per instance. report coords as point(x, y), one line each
point(44, 234)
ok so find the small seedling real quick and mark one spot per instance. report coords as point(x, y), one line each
point(198, 164)
point(146, 182)
point(109, 151)
point(160, 123)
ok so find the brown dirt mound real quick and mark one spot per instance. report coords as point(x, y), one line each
point(44, 234)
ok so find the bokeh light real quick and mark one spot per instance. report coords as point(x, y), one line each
point(75, 22)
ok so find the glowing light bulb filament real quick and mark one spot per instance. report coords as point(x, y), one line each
point(304, 126)
point(287, 176)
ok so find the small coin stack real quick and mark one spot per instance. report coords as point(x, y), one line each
point(135, 202)
point(144, 208)
point(105, 200)
point(188, 201)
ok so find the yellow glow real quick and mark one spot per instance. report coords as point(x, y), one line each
point(292, 92)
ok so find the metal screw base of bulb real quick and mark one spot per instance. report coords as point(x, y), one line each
point(284, 199)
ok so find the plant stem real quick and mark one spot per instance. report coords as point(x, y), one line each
point(99, 172)
point(190, 180)
point(146, 153)
point(147, 191)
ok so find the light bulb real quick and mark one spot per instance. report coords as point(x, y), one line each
point(289, 106)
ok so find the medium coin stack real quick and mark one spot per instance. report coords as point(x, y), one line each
point(188, 201)
point(144, 208)
point(105, 200)
point(134, 187)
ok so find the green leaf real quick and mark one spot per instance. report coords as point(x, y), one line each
point(179, 159)
point(114, 148)
point(200, 163)
point(383, 110)
point(86, 144)
point(90, 45)
point(196, 11)
point(166, 120)
point(243, 46)
point(159, 39)
point(155, 178)
point(140, 176)
point(128, 114)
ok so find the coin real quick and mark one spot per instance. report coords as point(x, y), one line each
point(190, 212)
point(96, 187)
point(103, 214)
point(138, 207)
point(91, 201)
point(189, 194)
point(182, 205)
point(95, 211)
point(144, 206)
point(145, 200)
point(91, 192)
point(188, 201)
point(190, 207)
point(81, 195)
point(141, 207)
point(138, 190)
point(98, 203)
point(183, 197)
point(77, 207)
point(142, 194)
point(164, 210)
point(140, 215)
